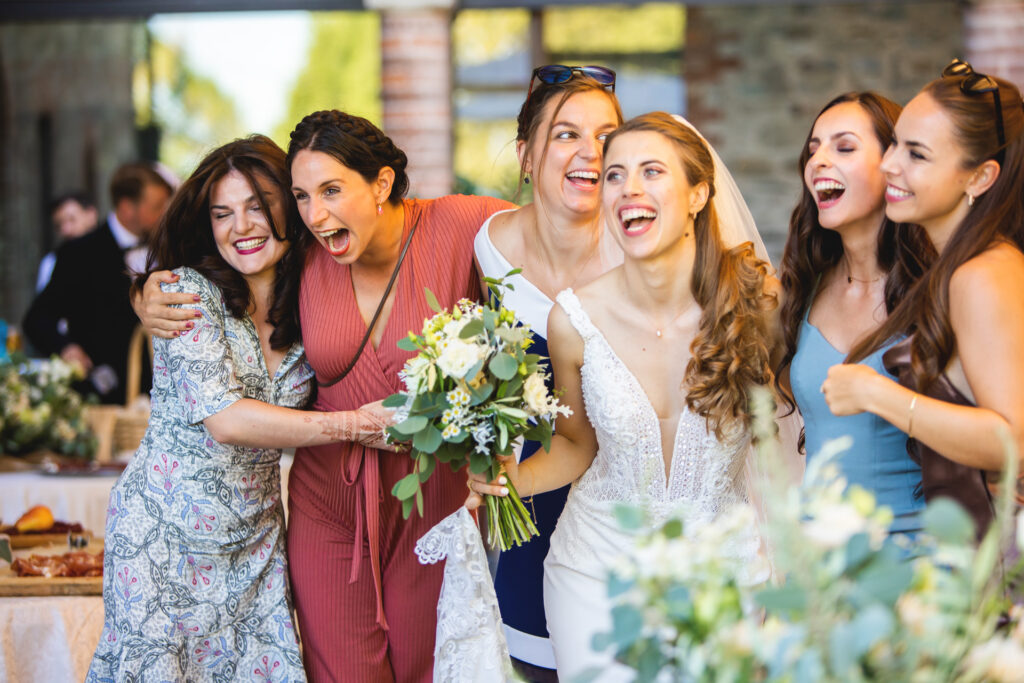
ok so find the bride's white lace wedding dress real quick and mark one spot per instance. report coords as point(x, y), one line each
point(706, 478)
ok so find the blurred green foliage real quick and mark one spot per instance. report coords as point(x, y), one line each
point(652, 27)
point(342, 72)
point(193, 113)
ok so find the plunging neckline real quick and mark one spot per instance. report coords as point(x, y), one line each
point(652, 414)
point(399, 280)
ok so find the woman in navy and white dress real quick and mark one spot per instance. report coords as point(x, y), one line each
point(559, 241)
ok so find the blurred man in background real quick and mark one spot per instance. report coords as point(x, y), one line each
point(90, 282)
point(72, 214)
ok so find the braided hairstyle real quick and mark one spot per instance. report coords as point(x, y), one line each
point(354, 142)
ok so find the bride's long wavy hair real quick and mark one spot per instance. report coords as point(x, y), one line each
point(732, 347)
point(997, 216)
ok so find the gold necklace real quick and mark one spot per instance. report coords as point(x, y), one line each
point(658, 330)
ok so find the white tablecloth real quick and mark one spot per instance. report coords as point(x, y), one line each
point(80, 499)
point(48, 639)
point(53, 638)
point(72, 499)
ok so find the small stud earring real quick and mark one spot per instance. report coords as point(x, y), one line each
point(526, 179)
point(970, 199)
point(380, 209)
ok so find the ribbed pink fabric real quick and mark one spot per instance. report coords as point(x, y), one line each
point(366, 607)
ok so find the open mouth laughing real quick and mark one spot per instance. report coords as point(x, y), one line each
point(828, 192)
point(636, 220)
point(584, 179)
point(337, 240)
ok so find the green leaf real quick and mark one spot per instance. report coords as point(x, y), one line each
point(427, 440)
point(788, 597)
point(427, 464)
point(503, 366)
point(490, 319)
point(948, 522)
point(432, 301)
point(406, 487)
point(407, 344)
point(479, 463)
point(629, 518)
point(473, 328)
point(884, 582)
point(5, 548)
point(480, 394)
point(394, 401)
point(411, 425)
point(515, 413)
point(673, 528)
point(617, 585)
point(984, 566)
point(858, 551)
point(502, 435)
point(627, 624)
point(407, 507)
point(419, 501)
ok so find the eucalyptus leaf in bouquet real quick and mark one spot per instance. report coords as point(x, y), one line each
point(471, 391)
point(40, 411)
point(848, 601)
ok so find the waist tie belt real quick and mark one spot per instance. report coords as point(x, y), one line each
point(368, 495)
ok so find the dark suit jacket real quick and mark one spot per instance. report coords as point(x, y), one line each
point(88, 289)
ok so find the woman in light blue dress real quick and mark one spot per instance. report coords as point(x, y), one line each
point(845, 267)
point(195, 580)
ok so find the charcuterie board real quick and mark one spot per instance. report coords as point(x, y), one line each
point(12, 585)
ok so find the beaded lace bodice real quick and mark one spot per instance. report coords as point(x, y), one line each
point(705, 475)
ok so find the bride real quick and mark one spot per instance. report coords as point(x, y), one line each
point(656, 359)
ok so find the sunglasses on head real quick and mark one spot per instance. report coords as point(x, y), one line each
point(559, 73)
point(974, 83)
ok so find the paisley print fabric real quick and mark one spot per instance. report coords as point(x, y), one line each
point(195, 581)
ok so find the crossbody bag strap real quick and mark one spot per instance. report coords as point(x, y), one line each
point(376, 315)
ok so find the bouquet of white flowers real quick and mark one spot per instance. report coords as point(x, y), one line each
point(40, 411)
point(471, 391)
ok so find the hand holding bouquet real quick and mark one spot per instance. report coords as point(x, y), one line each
point(470, 392)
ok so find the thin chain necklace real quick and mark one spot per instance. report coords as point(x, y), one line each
point(658, 330)
point(851, 279)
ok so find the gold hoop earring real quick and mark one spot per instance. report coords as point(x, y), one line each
point(970, 199)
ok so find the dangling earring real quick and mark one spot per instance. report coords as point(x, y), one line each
point(970, 199)
point(526, 179)
point(380, 209)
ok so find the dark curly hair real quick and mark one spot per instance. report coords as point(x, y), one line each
point(731, 352)
point(185, 235)
point(903, 251)
point(997, 216)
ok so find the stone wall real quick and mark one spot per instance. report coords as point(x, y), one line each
point(994, 38)
point(66, 122)
point(757, 74)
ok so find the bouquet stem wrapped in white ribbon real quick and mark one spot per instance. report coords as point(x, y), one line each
point(471, 391)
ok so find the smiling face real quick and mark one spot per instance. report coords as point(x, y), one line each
point(924, 169)
point(336, 203)
point(843, 173)
point(241, 230)
point(566, 163)
point(647, 198)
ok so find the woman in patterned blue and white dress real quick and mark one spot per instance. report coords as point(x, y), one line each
point(195, 582)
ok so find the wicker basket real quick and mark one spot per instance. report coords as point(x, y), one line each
point(121, 428)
